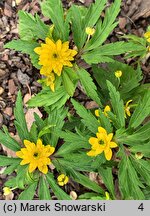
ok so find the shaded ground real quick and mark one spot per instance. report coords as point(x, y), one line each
point(16, 71)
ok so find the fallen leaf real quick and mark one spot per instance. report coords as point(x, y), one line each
point(29, 116)
point(11, 86)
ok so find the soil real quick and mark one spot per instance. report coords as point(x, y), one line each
point(17, 72)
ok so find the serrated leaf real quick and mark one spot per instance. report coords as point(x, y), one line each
point(8, 141)
point(117, 104)
point(54, 10)
point(143, 168)
point(141, 112)
point(73, 142)
point(61, 195)
point(88, 85)
point(25, 47)
point(87, 117)
point(107, 177)
point(33, 25)
point(77, 30)
point(104, 29)
point(68, 83)
point(29, 192)
point(86, 182)
point(43, 190)
point(20, 121)
point(107, 52)
point(129, 182)
point(49, 98)
point(5, 161)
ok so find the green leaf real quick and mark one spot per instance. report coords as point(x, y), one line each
point(93, 13)
point(53, 9)
point(143, 168)
point(5, 160)
point(31, 27)
point(117, 104)
point(73, 141)
point(11, 168)
point(46, 97)
point(33, 132)
point(88, 85)
point(141, 112)
point(43, 190)
point(61, 195)
point(21, 176)
point(67, 82)
point(107, 177)
point(104, 29)
point(129, 182)
point(106, 52)
point(29, 192)
point(20, 121)
point(141, 134)
point(142, 148)
point(87, 117)
point(8, 141)
point(25, 47)
point(86, 182)
point(76, 19)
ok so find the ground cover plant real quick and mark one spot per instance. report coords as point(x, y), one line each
point(71, 143)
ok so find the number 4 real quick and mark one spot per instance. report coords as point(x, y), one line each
point(141, 207)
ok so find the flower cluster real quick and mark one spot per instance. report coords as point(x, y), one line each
point(52, 57)
point(102, 143)
point(36, 155)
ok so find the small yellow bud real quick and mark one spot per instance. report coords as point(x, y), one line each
point(118, 73)
point(7, 191)
point(106, 110)
point(97, 113)
point(147, 36)
point(62, 179)
point(90, 31)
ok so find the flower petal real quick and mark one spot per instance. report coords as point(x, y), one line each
point(93, 141)
point(102, 130)
point(108, 154)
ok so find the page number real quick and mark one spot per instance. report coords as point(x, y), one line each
point(141, 207)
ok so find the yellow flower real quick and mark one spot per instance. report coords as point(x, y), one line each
point(147, 36)
point(106, 110)
point(53, 56)
point(7, 191)
point(62, 179)
point(127, 109)
point(118, 73)
point(90, 31)
point(97, 113)
point(102, 143)
point(36, 155)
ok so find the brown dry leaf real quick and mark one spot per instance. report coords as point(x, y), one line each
point(26, 98)
point(8, 111)
point(122, 22)
point(29, 116)
point(139, 9)
point(11, 86)
point(91, 105)
point(93, 176)
point(8, 151)
point(7, 10)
